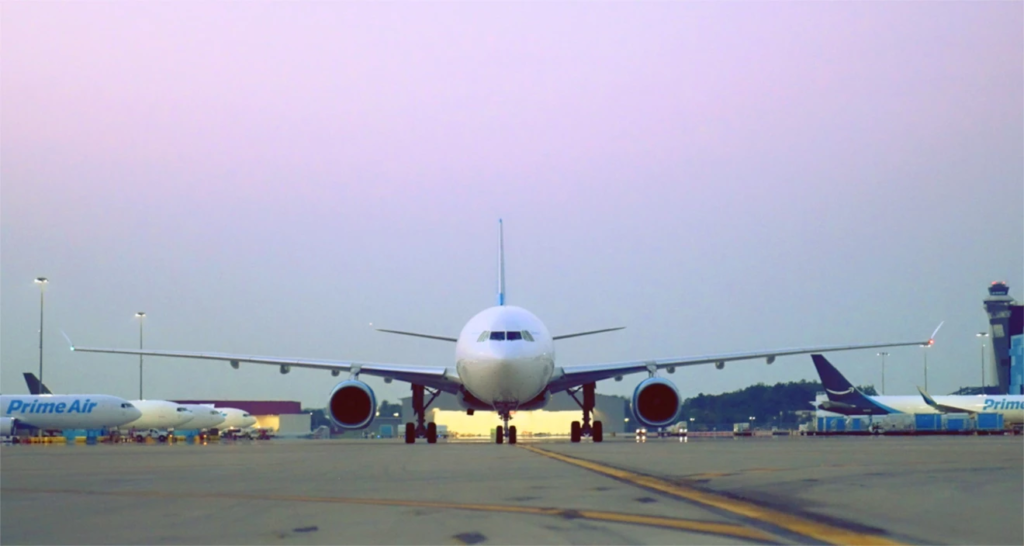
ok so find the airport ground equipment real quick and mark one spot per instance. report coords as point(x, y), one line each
point(504, 362)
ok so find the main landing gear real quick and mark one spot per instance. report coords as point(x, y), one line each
point(421, 429)
point(505, 431)
point(577, 430)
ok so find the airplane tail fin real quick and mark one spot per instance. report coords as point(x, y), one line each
point(501, 263)
point(836, 386)
point(34, 385)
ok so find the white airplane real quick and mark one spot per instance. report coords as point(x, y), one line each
point(504, 362)
point(64, 411)
point(235, 419)
point(159, 418)
point(203, 417)
point(156, 417)
point(845, 399)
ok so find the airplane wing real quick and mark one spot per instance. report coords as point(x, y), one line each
point(568, 377)
point(436, 377)
point(942, 408)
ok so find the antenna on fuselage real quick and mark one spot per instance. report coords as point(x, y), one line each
point(501, 263)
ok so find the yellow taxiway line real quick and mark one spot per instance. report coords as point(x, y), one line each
point(800, 525)
point(715, 528)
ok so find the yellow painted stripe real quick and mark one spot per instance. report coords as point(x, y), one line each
point(803, 526)
point(724, 529)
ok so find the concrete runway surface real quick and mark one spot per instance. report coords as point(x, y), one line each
point(931, 490)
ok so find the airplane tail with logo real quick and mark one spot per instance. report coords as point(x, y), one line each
point(843, 397)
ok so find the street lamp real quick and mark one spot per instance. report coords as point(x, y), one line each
point(42, 282)
point(883, 354)
point(982, 335)
point(140, 315)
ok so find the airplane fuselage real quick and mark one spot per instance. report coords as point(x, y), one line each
point(66, 411)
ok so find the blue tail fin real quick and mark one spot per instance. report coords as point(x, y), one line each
point(34, 385)
point(501, 263)
point(843, 396)
point(837, 386)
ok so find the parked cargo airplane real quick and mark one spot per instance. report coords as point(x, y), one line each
point(64, 412)
point(845, 399)
point(504, 362)
point(157, 417)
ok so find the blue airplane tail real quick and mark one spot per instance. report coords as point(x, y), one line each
point(842, 395)
point(34, 385)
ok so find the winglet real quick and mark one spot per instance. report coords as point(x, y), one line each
point(931, 339)
point(501, 263)
point(72, 345)
point(928, 398)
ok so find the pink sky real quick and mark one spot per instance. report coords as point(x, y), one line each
point(717, 176)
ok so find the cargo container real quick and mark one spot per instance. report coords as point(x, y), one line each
point(897, 422)
point(989, 421)
point(387, 431)
point(956, 422)
point(857, 424)
point(927, 422)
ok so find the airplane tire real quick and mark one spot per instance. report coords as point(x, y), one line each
point(431, 433)
point(499, 437)
point(512, 434)
point(575, 432)
point(410, 433)
point(597, 433)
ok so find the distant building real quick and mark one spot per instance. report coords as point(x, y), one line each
point(554, 419)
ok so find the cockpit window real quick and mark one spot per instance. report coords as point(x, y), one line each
point(483, 336)
point(498, 336)
point(513, 336)
point(126, 405)
point(180, 410)
point(527, 336)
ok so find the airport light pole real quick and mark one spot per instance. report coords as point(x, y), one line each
point(42, 282)
point(925, 353)
point(982, 335)
point(883, 354)
point(141, 316)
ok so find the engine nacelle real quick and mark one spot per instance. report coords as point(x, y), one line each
point(656, 402)
point(6, 426)
point(352, 405)
point(285, 369)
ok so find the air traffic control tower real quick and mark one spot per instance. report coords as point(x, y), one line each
point(1006, 318)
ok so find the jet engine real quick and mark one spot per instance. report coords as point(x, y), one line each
point(6, 426)
point(352, 405)
point(656, 402)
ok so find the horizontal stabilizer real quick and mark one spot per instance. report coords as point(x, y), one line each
point(414, 334)
point(591, 332)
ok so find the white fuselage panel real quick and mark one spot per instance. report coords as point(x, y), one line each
point(505, 372)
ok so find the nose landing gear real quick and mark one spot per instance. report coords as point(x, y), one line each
point(506, 431)
point(578, 431)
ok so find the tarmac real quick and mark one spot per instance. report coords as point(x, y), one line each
point(780, 490)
